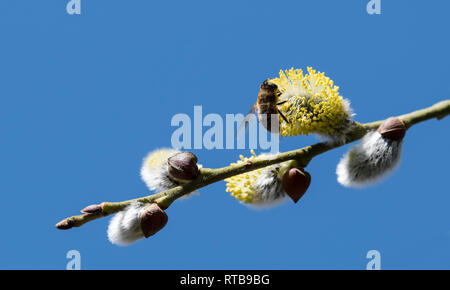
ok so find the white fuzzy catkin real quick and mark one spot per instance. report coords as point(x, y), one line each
point(369, 161)
point(125, 227)
point(269, 188)
point(154, 171)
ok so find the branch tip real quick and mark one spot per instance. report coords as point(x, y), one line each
point(64, 225)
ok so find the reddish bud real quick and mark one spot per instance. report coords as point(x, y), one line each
point(183, 166)
point(153, 219)
point(64, 225)
point(392, 128)
point(93, 208)
point(295, 183)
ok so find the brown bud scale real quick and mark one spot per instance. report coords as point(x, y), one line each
point(295, 183)
point(183, 166)
point(93, 208)
point(392, 128)
point(153, 219)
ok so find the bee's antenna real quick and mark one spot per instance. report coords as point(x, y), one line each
point(284, 118)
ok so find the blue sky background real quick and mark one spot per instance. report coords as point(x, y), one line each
point(84, 98)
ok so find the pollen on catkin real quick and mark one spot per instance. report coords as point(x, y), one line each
point(260, 187)
point(312, 104)
point(369, 161)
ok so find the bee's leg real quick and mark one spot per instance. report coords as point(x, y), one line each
point(284, 118)
point(280, 103)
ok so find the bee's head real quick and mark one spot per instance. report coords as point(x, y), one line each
point(267, 85)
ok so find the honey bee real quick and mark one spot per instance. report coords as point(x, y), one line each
point(266, 105)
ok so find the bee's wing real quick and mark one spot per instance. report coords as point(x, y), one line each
point(247, 117)
point(253, 109)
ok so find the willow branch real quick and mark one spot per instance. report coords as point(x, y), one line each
point(208, 176)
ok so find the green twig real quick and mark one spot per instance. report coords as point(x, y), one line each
point(209, 176)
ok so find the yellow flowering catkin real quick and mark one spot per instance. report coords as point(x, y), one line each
point(312, 104)
point(240, 185)
point(259, 187)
